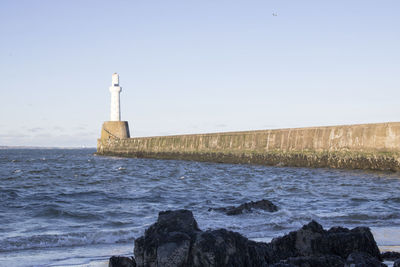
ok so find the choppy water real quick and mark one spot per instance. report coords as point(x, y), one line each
point(65, 207)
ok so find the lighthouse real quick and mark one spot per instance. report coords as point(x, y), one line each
point(115, 90)
point(115, 128)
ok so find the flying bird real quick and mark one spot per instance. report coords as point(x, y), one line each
point(274, 14)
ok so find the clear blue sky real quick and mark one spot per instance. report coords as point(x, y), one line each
point(194, 66)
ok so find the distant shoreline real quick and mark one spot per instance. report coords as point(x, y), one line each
point(43, 147)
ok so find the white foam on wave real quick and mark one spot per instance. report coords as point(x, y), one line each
point(386, 236)
point(65, 240)
point(257, 224)
point(90, 255)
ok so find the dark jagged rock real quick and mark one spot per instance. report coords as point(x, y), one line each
point(176, 240)
point(344, 241)
point(119, 261)
point(312, 261)
point(396, 263)
point(226, 248)
point(312, 239)
point(261, 204)
point(167, 242)
point(281, 264)
point(362, 259)
point(390, 255)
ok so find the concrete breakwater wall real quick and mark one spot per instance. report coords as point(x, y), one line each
point(362, 146)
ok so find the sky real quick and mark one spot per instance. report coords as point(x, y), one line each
point(194, 66)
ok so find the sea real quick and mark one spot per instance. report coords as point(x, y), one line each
point(69, 207)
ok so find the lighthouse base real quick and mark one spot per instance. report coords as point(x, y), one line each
point(115, 130)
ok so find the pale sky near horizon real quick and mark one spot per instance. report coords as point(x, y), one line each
point(194, 66)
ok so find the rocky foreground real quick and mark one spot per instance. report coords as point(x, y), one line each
point(176, 240)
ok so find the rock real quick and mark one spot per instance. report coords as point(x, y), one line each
point(176, 240)
point(311, 261)
point(119, 261)
point(261, 204)
point(360, 239)
point(282, 265)
point(227, 248)
point(362, 259)
point(167, 242)
point(396, 263)
point(390, 255)
point(312, 239)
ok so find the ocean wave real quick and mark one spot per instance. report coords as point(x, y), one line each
point(9, 194)
point(57, 211)
point(392, 200)
point(360, 199)
point(85, 194)
point(66, 240)
point(368, 216)
point(44, 170)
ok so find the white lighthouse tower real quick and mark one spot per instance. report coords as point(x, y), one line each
point(115, 128)
point(115, 90)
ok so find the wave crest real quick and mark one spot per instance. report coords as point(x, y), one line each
point(65, 240)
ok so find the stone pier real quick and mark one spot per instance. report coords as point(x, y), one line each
point(361, 146)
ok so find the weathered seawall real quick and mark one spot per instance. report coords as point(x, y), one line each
point(362, 146)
